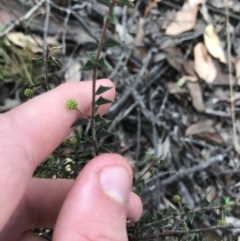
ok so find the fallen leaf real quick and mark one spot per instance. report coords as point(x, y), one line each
point(211, 193)
point(196, 95)
point(196, 2)
point(184, 20)
point(174, 57)
point(151, 4)
point(200, 127)
point(173, 88)
point(140, 52)
point(213, 44)
point(203, 64)
point(212, 137)
point(34, 44)
point(72, 73)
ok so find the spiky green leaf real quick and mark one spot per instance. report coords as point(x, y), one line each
point(222, 200)
point(113, 18)
point(102, 89)
point(103, 149)
point(102, 63)
point(103, 132)
point(80, 122)
point(87, 66)
point(195, 237)
point(128, 3)
point(190, 217)
point(102, 101)
point(92, 56)
point(99, 118)
point(205, 202)
point(111, 43)
point(172, 211)
point(106, 2)
point(137, 190)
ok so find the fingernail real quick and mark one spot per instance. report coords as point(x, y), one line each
point(115, 182)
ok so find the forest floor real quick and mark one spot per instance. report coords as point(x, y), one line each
point(177, 75)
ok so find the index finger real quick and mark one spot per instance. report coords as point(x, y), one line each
point(30, 132)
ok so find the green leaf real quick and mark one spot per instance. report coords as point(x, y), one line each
point(125, 3)
point(152, 172)
point(137, 190)
point(102, 101)
point(100, 119)
point(87, 66)
point(113, 18)
point(222, 200)
point(102, 89)
point(106, 2)
point(103, 132)
point(186, 209)
point(35, 85)
point(103, 149)
point(53, 61)
point(157, 215)
point(195, 237)
point(172, 211)
point(102, 63)
point(111, 43)
point(162, 163)
point(38, 60)
point(80, 122)
point(190, 217)
point(205, 202)
point(147, 217)
point(92, 56)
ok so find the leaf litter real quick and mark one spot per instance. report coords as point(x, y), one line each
point(152, 106)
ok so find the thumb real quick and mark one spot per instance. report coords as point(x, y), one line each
point(97, 205)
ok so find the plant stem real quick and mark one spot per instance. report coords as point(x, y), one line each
point(94, 78)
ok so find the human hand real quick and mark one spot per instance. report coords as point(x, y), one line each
point(93, 207)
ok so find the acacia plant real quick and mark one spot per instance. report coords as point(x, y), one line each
point(176, 221)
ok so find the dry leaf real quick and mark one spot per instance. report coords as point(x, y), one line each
point(203, 64)
point(200, 127)
point(151, 4)
point(196, 2)
point(140, 52)
point(28, 42)
point(174, 58)
point(184, 20)
point(213, 44)
point(196, 95)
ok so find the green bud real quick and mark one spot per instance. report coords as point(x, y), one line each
point(28, 92)
point(71, 104)
point(176, 198)
point(73, 141)
point(222, 223)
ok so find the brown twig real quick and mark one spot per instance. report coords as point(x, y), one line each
point(144, 173)
point(94, 77)
point(179, 233)
point(191, 212)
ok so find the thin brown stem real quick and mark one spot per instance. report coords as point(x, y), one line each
point(192, 212)
point(45, 84)
point(144, 173)
point(94, 77)
point(180, 233)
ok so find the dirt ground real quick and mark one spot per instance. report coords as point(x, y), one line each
point(177, 75)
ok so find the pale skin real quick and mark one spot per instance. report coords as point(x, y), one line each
point(89, 208)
